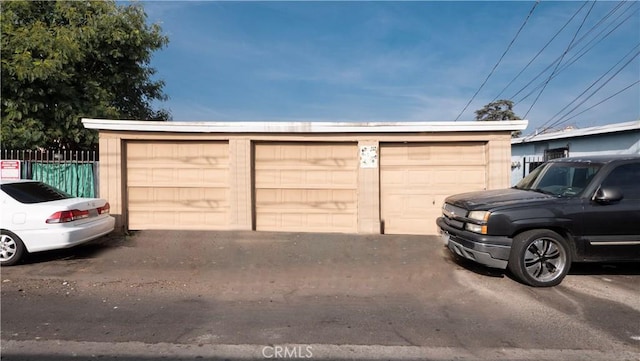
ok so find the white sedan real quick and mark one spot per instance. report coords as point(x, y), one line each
point(37, 217)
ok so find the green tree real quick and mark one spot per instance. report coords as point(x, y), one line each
point(64, 60)
point(498, 110)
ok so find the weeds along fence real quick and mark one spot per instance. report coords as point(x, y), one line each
point(75, 172)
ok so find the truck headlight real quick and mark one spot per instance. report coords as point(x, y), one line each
point(482, 217)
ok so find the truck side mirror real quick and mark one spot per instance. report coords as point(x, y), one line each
point(608, 195)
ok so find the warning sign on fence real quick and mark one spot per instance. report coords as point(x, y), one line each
point(9, 169)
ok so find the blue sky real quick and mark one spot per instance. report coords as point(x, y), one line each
point(397, 61)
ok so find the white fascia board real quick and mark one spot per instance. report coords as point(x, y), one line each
point(602, 129)
point(302, 127)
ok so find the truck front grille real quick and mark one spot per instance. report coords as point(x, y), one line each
point(453, 214)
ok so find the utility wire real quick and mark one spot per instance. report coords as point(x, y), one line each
point(582, 52)
point(538, 54)
point(558, 64)
point(603, 100)
point(550, 65)
point(544, 126)
point(595, 91)
point(532, 135)
point(499, 60)
point(592, 85)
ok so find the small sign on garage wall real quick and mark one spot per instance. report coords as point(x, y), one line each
point(9, 169)
point(368, 156)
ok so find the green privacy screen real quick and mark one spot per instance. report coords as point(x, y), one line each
point(74, 178)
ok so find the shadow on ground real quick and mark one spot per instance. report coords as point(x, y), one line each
point(590, 269)
point(577, 269)
point(90, 250)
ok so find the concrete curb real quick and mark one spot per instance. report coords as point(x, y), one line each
point(64, 350)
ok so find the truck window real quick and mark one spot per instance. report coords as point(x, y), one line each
point(626, 178)
point(560, 179)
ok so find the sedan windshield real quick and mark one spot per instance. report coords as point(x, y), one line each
point(559, 179)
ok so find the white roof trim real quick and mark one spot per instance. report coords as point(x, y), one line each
point(302, 127)
point(603, 129)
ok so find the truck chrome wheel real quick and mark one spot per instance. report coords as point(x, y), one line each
point(544, 259)
point(540, 258)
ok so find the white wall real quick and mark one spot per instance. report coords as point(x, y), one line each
point(601, 144)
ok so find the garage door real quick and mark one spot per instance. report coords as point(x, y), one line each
point(416, 178)
point(306, 187)
point(177, 185)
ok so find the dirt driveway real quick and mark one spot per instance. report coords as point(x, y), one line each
point(257, 288)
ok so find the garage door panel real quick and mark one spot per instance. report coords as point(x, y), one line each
point(277, 178)
point(170, 177)
point(294, 157)
point(158, 218)
point(304, 200)
point(137, 176)
point(289, 178)
point(404, 155)
point(306, 187)
point(410, 225)
point(177, 185)
point(302, 222)
point(416, 178)
point(180, 162)
point(394, 177)
point(177, 155)
point(460, 179)
point(179, 199)
point(209, 220)
point(394, 204)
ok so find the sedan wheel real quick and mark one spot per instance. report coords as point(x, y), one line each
point(11, 249)
point(540, 258)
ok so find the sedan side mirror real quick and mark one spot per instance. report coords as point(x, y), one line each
point(608, 195)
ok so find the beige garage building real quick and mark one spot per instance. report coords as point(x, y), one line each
point(307, 176)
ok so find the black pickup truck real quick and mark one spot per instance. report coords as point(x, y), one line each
point(567, 210)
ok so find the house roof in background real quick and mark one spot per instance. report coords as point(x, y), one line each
point(573, 133)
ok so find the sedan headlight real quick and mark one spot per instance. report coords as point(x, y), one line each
point(482, 217)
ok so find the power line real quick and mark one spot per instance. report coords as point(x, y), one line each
point(562, 57)
point(560, 121)
point(538, 54)
point(575, 58)
point(499, 60)
point(593, 84)
point(549, 66)
point(582, 52)
point(604, 100)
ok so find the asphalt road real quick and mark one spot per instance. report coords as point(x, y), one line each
point(256, 295)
